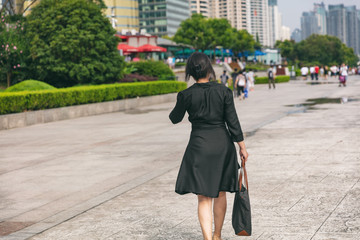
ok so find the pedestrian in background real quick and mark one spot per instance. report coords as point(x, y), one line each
point(317, 72)
point(312, 72)
point(224, 78)
point(233, 76)
point(209, 167)
point(304, 72)
point(241, 85)
point(251, 80)
point(326, 72)
point(343, 75)
point(271, 77)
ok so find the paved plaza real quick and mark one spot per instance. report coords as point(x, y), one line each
point(112, 176)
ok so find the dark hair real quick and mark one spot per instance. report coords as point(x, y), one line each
point(199, 66)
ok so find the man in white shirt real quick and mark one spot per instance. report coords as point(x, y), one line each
point(304, 72)
point(312, 72)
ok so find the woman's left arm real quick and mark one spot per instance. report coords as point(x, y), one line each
point(178, 113)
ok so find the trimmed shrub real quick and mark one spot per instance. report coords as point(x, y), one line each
point(35, 100)
point(278, 79)
point(154, 69)
point(29, 85)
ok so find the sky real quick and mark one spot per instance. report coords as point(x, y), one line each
point(292, 9)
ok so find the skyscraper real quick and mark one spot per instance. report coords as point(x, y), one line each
point(200, 6)
point(309, 24)
point(352, 28)
point(275, 22)
point(236, 11)
point(336, 22)
point(320, 13)
point(258, 25)
point(123, 14)
point(163, 17)
point(296, 35)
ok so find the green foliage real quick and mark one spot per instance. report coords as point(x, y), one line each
point(318, 50)
point(13, 46)
point(29, 85)
point(35, 100)
point(203, 33)
point(194, 31)
point(278, 79)
point(153, 68)
point(73, 42)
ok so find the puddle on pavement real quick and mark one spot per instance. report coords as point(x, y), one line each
point(143, 111)
point(319, 83)
point(312, 102)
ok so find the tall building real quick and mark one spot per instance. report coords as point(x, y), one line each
point(320, 13)
point(236, 11)
point(296, 35)
point(123, 14)
point(336, 22)
point(352, 28)
point(200, 6)
point(163, 17)
point(258, 25)
point(309, 24)
point(275, 22)
point(285, 33)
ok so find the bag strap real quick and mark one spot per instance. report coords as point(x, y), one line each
point(243, 169)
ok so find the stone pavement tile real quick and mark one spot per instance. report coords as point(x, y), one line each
point(284, 236)
point(336, 236)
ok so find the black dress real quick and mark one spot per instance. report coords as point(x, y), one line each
point(210, 161)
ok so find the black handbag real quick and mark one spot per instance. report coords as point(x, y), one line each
point(241, 215)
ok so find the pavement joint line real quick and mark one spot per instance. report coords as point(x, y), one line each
point(83, 207)
point(296, 203)
point(337, 205)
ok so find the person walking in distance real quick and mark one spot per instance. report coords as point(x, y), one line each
point(343, 75)
point(317, 69)
point(312, 72)
point(209, 167)
point(271, 76)
point(224, 78)
point(241, 85)
point(233, 76)
point(304, 72)
point(251, 80)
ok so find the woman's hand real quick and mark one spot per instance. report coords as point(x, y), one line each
point(243, 153)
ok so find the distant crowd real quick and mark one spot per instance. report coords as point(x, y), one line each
point(325, 72)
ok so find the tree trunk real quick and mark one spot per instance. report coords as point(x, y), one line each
point(8, 77)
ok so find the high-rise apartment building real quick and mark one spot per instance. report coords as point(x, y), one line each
point(162, 17)
point(200, 6)
point(320, 13)
point(123, 14)
point(259, 23)
point(309, 24)
point(296, 35)
point(275, 23)
point(336, 22)
point(236, 11)
point(352, 28)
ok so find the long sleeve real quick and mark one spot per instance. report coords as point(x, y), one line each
point(177, 114)
point(231, 118)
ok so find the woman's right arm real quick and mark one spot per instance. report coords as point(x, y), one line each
point(243, 153)
point(177, 114)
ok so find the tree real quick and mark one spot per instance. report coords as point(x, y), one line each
point(217, 28)
point(73, 42)
point(287, 49)
point(239, 41)
point(12, 47)
point(195, 31)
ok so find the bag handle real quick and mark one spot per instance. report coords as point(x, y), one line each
point(243, 169)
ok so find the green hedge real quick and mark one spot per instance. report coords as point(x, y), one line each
point(278, 79)
point(35, 100)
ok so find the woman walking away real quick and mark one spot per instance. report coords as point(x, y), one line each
point(209, 167)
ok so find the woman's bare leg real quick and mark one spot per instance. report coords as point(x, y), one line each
point(219, 213)
point(205, 216)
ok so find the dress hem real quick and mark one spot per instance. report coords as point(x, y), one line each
point(206, 195)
